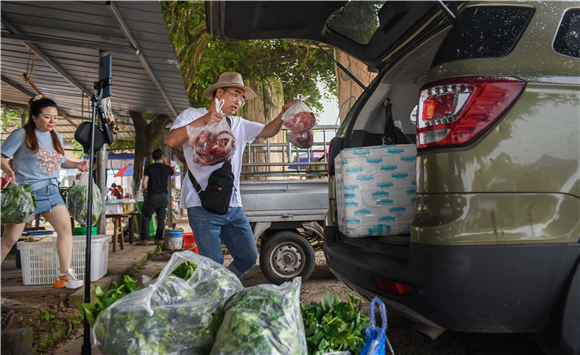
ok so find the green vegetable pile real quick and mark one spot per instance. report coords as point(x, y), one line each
point(263, 319)
point(77, 201)
point(332, 325)
point(173, 315)
point(18, 204)
point(117, 290)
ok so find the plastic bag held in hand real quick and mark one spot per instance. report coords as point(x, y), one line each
point(299, 117)
point(376, 340)
point(214, 143)
point(18, 204)
point(77, 199)
point(301, 140)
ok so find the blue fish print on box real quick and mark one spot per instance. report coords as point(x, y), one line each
point(380, 194)
point(380, 229)
point(361, 153)
point(349, 195)
point(374, 160)
point(351, 187)
point(408, 158)
point(412, 192)
point(384, 185)
point(384, 202)
point(351, 204)
point(387, 219)
point(395, 150)
point(353, 170)
point(365, 177)
point(388, 167)
point(353, 221)
point(398, 210)
point(362, 212)
point(413, 183)
point(399, 175)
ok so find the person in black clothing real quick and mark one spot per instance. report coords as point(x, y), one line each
point(154, 185)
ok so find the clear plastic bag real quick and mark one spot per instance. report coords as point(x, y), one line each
point(171, 316)
point(77, 199)
point(299, 117)
point(212, 144)
point(264, 319)
point(302, 139)
point(18, 204)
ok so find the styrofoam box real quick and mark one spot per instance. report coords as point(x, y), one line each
point(114, 208)
point(40, 261)
point(376, 190)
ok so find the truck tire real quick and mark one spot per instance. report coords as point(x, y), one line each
point(286, 255)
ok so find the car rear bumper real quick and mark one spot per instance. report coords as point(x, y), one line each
point(494, 289)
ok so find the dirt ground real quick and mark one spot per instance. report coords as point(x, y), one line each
point(47, 311)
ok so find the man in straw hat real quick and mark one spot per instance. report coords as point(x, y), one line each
point(233, 227)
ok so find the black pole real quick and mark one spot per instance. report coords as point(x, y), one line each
point(87, 333)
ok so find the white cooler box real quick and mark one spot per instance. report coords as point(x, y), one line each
point(376, 190)
point(40, 262)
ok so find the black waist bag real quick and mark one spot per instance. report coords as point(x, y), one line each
point(220, 185)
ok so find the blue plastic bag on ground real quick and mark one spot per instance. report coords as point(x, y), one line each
point(376, 341)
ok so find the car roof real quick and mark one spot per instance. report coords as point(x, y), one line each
point(307, 20)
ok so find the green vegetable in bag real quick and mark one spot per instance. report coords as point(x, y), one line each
point(18, 204)
point(77, 201)
point(263, 319)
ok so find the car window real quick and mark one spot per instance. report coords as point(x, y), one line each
point(484, 32)
point(357, 20)
point(567, 39)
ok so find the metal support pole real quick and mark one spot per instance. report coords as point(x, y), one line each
point(169, 194)
point(101, 180)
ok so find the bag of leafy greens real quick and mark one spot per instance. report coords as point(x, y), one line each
point(77, 201)
point(173, 315)
point(18, 204)
point(263, 319)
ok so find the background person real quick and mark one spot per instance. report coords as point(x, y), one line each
point(38, 157)
point(154, 184)
point(233, 228)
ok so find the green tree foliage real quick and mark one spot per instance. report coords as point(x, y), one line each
point(6, 118)
point(297, 65)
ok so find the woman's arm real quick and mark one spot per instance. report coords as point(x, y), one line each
point(80, 165)
point(7, 169)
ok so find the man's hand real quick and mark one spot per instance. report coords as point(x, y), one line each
point(212, 116)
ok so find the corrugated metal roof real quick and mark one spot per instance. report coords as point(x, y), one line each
point(66, 36)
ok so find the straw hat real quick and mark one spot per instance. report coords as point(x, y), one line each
point(229, 80)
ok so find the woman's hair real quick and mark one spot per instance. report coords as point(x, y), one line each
point(30, 140)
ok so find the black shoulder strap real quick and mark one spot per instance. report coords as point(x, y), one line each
point(227, 165)
point(389, 132)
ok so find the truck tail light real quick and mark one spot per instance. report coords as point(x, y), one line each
point(328, 165)
point(456, 111)
point(390, 286)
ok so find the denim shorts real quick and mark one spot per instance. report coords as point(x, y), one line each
point(46, 198)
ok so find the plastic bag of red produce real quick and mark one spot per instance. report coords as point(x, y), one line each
point(212, 144)
point(299, 117)
point(302, 139)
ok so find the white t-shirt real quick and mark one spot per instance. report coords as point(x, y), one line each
point(244, 131)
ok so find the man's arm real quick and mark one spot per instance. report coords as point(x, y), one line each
point(177, 137)
point(166, 163)
point(275, 126)
point(144, 184)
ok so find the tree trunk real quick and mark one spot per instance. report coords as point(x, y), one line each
point(264, 108)
point(146, 134)
point(348, 87)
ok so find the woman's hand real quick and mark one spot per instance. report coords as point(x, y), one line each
point(10, 176)
point(83, 166)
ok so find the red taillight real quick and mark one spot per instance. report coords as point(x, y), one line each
point(390, 286)
point(328, 156)
point(457, 111)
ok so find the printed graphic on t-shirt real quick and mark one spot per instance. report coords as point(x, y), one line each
point(49, 161)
